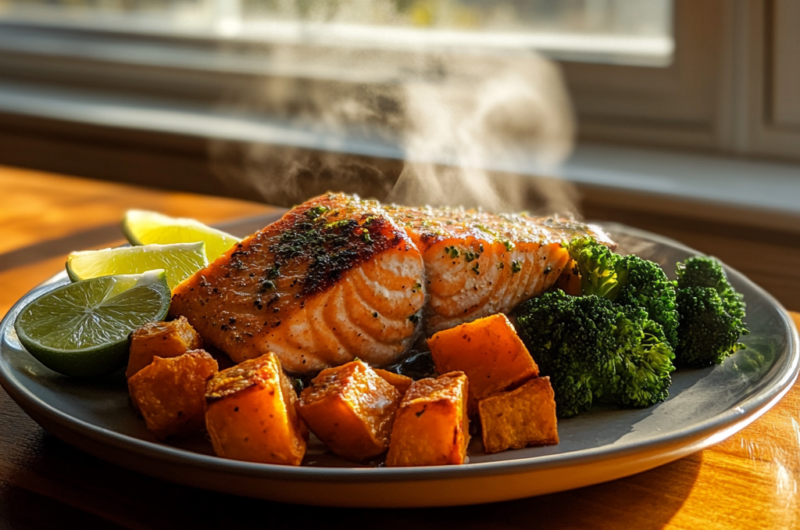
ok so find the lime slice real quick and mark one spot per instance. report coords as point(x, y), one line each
point(144, 228)
point(82, 329)
point(179, 261)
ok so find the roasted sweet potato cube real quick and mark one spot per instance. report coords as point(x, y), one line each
point(431, 427)
point(171, 393)
point(251, 414)
point(400, 382)
point(570, 279)
point(161, 339)
point(351, 409)
point(520, 417)
point(489, 351)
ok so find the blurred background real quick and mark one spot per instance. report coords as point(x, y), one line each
point(678, 117)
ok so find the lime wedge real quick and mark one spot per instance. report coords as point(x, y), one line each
point(144, 228)
point(82, 329)
point(179, 261)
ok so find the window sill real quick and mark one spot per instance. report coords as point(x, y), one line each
point(748, 193)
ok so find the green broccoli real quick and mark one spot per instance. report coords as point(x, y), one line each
point(593, 349)
point(711, 314)
point(647, 286)
point(567, 337)
point(703, 271)
point(643, 360)
point(628, 281)
point(597, 266)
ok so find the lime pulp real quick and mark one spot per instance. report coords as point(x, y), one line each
point(143, 227)
point(178, 260)
point(81, 329)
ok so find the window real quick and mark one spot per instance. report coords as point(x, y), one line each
point(605, 31)
point(769, 106)
point(713, 76)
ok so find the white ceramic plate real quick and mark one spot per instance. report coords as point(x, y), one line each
point(705, 407)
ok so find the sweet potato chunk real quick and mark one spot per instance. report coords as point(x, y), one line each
point(520, 417)
point(400, 382)
point(170, 393)
point(251, 414)
point(431, 426)
point(489, 351)
point(351, 409)
point(570, 279)
point(161, 339)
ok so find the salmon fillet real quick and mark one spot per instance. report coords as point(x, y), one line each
point(334, 279)
point(478, 264)
point(338, 278)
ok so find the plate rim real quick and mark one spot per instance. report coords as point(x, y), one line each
point(752, 407)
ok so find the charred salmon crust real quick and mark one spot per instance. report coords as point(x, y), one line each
point(479, 264)
point(333, 279)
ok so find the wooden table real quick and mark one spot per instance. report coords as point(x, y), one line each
point(748, 481)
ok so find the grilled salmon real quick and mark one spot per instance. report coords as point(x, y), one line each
point(333, 279)
point(479, 263)
point(338, 278)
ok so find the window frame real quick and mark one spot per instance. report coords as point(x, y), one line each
point(766, 132)
point(714, 97)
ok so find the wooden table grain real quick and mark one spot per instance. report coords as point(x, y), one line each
point(748, 481)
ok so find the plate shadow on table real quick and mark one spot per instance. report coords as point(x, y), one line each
point(659, 493)
point(86, 492)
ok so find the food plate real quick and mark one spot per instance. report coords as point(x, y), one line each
point(705, 407)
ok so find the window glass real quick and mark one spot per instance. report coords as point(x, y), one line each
point(611, 31)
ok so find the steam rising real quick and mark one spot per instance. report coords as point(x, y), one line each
point(411, 127)
point(512, 112)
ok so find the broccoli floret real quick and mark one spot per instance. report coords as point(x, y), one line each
point(593, 349)
point(628, 281)
point(568, 337)
point(711, 314)
point(647, 286)
point(597, 265)
point(708, 333)
point(702, 271)
point(643, 360)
